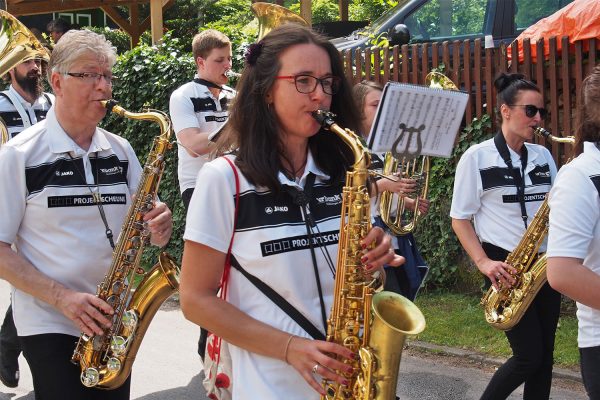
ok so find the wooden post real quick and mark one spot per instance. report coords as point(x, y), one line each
point(305, 11)
point(156, 20)
point(3, 5)
point(343, 5)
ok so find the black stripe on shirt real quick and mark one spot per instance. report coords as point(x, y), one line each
point(596, 181)
point(67, 172)
point(85, 200)
point(211, 118)
point(301, 242)
point(531, 197)
point(495, 177)
point(12, 119)
point(540, 175)
point(261, 209)
point(203, 104)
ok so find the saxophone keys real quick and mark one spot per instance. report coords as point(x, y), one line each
point(113, 364)
point(130, 319)
point(90, 377)
point(118, 345)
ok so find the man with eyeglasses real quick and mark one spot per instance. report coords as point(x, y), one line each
point(70, 184)
point(22, 105)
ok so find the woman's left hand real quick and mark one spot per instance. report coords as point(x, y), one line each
point(160, 224)
point(382, 252)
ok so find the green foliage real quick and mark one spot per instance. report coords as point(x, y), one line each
point(457, 320)
point(147, 77)
point(322, 11)
point(369, 10)
point(117, 37)
point(435, 236)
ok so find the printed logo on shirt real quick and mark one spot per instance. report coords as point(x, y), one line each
point(85, 200)
point(271, 210)
point(330, 200)
point(112, 171)
point(203, 104)
point(215, 118)
point(63, 173)
point(302, 242)
point(596, 181)
point(495, 177)
point(540, 175)
point(532, 197)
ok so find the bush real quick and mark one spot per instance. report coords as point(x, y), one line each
point(147, 77)
point(117, 37)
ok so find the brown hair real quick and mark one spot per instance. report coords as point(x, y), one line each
point(205, 41)
point(359, 94)
point(589, 116)
point(252, 127)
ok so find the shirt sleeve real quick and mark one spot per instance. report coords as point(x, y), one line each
point(211, 212)
point(574, 212)
point(466, 196)
point(181, 110)
point(14, 193)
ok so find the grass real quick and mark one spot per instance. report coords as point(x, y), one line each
point(457, 320)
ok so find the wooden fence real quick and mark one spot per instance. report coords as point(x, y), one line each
point(473, 69)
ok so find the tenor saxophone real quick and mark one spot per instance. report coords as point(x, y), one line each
point(504, 307)
point(372, 325)
point(106, 360)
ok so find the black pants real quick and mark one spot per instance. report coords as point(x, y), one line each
point(590, 370)
point(55, 377)
point(532, 344)
point(10, 347)
point(186, 196)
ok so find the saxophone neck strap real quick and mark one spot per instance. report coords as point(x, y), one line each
point(210, 84)
point(282, 303)
point(519, 178)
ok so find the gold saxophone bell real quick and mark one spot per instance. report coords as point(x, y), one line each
point(392, 206)
point(271, 16)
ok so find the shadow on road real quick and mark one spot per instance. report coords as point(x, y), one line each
point(432, 386)
point(8, 396)
point(193, 390)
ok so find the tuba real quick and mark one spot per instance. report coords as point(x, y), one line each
point(392, 207)
point(272, 15)
point(17, 45)
point(106, 360)
point(373, 325)
point(504, 307)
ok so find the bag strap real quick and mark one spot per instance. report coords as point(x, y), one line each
point(282, 303)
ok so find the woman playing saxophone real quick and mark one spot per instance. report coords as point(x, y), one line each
point(500, 184)
point(288, 218)
point(574, 238)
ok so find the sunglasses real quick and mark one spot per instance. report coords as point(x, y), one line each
point(531, 110)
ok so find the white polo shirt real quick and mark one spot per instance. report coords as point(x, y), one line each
point(48, 212)
point(484, 190)
point(192, 105)
point(574, 227)
point(22, 114)
point(271, 243)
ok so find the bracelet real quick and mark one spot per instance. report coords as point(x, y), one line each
point(287, 346)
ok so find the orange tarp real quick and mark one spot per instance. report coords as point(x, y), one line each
point(578, 20)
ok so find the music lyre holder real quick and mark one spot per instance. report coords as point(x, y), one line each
point(406, 153)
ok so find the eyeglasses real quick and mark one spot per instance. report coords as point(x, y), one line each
point(531, 110)
point(308, 83)
point(92, 77)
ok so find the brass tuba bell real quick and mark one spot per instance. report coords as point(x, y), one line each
point(17, 45)
point(272, 15)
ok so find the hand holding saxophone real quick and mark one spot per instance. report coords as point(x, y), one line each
point(160, 224)
point(499, 272)
point(382, 252)
point(87, 311)
point(314, 360)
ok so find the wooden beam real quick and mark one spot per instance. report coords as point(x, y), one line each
point(18, 8)
point(343, 5)
point(305, 11)
point(156, 20)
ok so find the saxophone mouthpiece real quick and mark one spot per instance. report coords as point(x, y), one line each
point(110, 104)
point(323, 117)
point(232, 74)
point(541, 132)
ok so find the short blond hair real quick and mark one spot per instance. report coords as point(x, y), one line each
point(205, 41)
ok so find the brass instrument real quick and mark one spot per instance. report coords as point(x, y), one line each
point(373, 325)
point(17, 45)
point(504, 307)
point(106, 360)
point(272, 15)
point(392, 207)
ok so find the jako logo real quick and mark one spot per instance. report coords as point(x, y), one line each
point(271, 210)
point(63, 173)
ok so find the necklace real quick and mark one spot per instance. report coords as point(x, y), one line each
point(293, 173)
point(96, 196)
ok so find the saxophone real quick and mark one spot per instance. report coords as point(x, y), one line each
point(504, 307)
point(106, 360)
point(373, 325)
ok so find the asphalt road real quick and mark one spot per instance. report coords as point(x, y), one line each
point(168, 367)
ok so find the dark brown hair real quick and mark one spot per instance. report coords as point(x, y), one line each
point(508, 87)
point(589, 116)
point(253, 128)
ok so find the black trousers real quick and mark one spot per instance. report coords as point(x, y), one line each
point(55, 377)
point(532, 344)
point(10, 347)
point(590, 370)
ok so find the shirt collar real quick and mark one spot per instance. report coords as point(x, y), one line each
point(60, 142)
point(591, 149)
point(14, 92)
point(311, 166)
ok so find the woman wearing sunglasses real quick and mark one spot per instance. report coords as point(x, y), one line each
point(499, 185)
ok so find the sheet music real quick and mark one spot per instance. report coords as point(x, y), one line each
point(417, 120)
